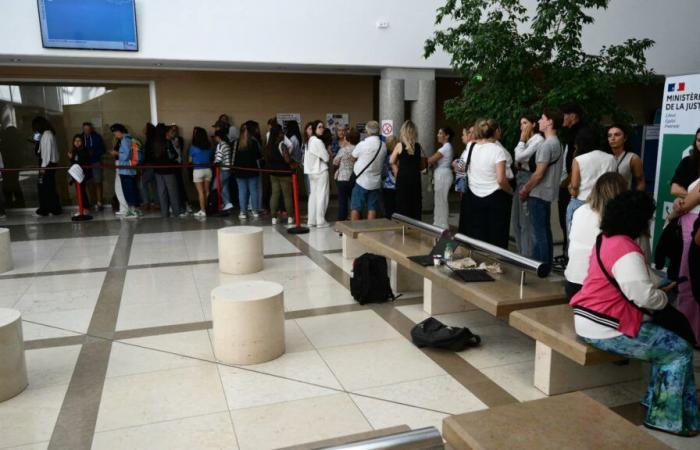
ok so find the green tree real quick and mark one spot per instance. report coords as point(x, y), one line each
point(507, 71)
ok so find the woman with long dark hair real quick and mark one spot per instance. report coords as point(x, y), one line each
point(278, 157)
point(443, 178)
point(247, 154)
point(164, 154)
point(200, 157)
point(316, 160)
point(628, 164)
point(79, 154)
point(49, 202)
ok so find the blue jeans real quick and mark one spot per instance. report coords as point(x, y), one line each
point(225, 192)
point(670, 398)
point(248, 193)
point(131, 193)
point(540, 216)
point(574, 204)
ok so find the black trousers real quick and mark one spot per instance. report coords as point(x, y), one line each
point(486, 218)
point(344, 192)
point(564, 198)
point(48, 196)
point(571, 289)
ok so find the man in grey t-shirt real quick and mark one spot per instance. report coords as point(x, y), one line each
point(542, 188)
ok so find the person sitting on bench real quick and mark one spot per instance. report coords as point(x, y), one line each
point(608, 315)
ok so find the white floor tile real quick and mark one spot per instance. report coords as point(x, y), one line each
point(159, 285)
point(516, 379)
point(213, 431)
point(675, 442)
point(339, 260)
point(159, 396)
point(346, 328)
point(51, 366)
point(500, 345)
point(297, 422)
point(31, 331)
point(382, 414)
point(441, 393)
point(323, 239)
point(618, 394)
point(380, 363)
point(300, 366)
point(158, 314)
point(30, 417)
point(294, 338)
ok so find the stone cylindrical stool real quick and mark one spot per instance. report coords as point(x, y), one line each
point(13, 368)
point(248, 319)
point(240, 250)
point(5, 251)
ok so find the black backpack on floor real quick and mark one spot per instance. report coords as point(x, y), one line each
point(433, 333)
point(370, 280)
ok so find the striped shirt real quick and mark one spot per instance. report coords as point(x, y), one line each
point(223, 155)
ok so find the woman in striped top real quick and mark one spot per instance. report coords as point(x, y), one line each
point(222, 159)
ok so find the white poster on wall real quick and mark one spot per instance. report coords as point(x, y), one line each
point(387, 128)
point(283, 118)
point(337, 120)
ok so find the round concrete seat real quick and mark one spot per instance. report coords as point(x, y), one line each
point(5, 251)
point(13, 368)
point(240, 250)
point(248, 319)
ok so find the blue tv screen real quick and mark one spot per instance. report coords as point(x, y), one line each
point(89, 24)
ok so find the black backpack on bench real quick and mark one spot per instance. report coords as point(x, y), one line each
point(370, 280)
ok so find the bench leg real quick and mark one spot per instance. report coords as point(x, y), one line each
point(404, 280)
point(438, 300)
point(556, 374)
point(352, 248)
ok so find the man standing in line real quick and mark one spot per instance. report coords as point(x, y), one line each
point(572, 122)
point(96, 147)
point(369, 159)
point(542, 188)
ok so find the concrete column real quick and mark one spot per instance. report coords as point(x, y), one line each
point(423, 115)
point(391, 101)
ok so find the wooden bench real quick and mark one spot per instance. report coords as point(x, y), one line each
point(351, 229)
point(563, 363)
point(572, 421)
point(443, 293)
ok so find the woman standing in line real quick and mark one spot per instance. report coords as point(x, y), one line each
point(588, 165)
point(405, 161)
point(685, 185)
point(247, 154)
point(443, 178)
point(530, 139)
point(49, 202)
point(627, 163)
point(79, 154)
point(200, 157)
point(308, 132)
point(316, 160)
point(147, 179)
point(609, 314)
point(585, 227)
point(278, 157)
point(485, 208)
point(166, 178)
point(344, 163)
point(389, 181)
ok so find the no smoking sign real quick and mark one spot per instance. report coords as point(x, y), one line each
point(387, 128)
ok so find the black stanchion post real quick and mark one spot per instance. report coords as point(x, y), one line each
point(297, 229)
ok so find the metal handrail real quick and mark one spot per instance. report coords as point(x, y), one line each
point(428, 228)
point(428, 438)
point(540, 268)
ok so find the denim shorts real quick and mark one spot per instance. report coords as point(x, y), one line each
point(362, 197)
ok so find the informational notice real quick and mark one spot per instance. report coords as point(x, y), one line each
point(283, 118)
point(680, 119)
point(337, 120)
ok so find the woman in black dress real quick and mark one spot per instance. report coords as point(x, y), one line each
point(405, 162)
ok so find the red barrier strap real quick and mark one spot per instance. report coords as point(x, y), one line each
point(150, 166)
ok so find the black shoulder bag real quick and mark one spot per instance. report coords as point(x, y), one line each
point(668, 317)
point(462, 184)
point(353, 177)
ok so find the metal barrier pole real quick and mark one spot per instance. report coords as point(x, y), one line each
point(297, 229)
point(428, 438)
point(80, 217)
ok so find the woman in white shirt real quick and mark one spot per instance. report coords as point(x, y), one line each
point(316, 167)
point(585, 227)
point(441, 160)
point(485, 208)
point(588, 165)
point(49, 202)
point(530, 140)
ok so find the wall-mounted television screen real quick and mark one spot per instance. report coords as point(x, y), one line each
point(88, 24)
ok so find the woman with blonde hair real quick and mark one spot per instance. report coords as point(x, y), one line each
point(405, 161)
point(585, 227)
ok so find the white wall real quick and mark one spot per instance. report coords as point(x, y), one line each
point(306, 34)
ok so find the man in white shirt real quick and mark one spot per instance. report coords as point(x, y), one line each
point(369, 159)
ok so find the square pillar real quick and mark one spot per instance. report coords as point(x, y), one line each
point(404, 280)
point(438, 300)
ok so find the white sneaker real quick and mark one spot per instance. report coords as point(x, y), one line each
point(274, 221)
point(227, 207)
point(200, 213)
point(131, 215)
point(323, 225)
point(256, 214)
point(3, 216)
point(183, 215)
point(290, 221)
point(242, 216)
point(121, 212)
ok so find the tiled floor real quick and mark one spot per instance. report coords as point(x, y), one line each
point(346, 369)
